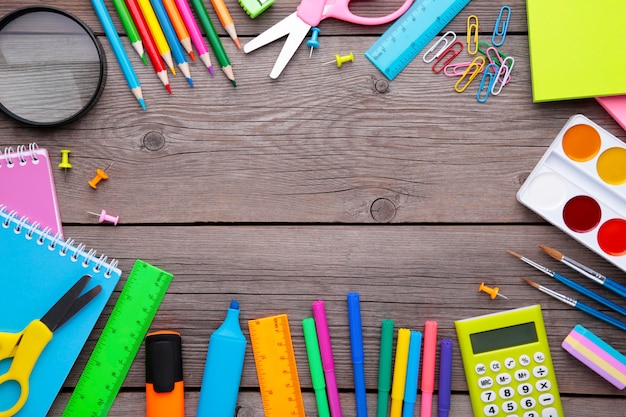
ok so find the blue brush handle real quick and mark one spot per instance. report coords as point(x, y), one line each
point(594, 296)
point(600, 315)
point(615, 286)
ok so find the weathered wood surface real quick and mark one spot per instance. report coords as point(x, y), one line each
point(282, 192)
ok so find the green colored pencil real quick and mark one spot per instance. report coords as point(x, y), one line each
point(214, 39)
point(129, 27)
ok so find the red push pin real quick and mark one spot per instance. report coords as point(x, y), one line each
point(493, 292)
point(104, 217)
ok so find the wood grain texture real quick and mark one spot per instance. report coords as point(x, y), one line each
point(324, 181)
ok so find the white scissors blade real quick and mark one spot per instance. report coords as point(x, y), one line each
point(277, 31)
point(295, 38)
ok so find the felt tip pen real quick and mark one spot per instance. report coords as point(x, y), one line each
point(328, 363)
point(356, 348)
point(165, 389)
point(224, 364)
point(412, 374)
point(445, 377)
point(384, 367)
point(428, 368)
point(315, 365)
point(399, 372)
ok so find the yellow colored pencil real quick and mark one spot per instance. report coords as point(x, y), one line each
point(157, 33)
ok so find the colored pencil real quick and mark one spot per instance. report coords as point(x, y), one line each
point(172, 39)
point(577, 304)
point(214, 39)
point(607, 282)
point(194, 32)
point(179, 26)
point(157, 33)
point(573, 285)
point(226, 20)
point(118, 50)
point(148, 43)
point(130, 28)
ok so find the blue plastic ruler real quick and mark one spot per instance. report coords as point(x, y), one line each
point(410, 33)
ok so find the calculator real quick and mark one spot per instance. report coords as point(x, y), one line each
point(508, 366)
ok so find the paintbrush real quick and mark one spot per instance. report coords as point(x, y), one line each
point(577, 304)
point(586, 271)
point(573, 285)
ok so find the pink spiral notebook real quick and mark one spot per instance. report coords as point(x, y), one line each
point(27, 186)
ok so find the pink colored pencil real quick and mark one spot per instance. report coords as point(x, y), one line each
point(194, 31)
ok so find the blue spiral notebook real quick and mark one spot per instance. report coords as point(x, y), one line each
point(36, 269)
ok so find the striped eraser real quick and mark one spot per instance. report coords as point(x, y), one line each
point(597, 355)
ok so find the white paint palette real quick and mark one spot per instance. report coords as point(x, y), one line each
point(579, 185)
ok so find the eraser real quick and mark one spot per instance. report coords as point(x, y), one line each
point(598, 355)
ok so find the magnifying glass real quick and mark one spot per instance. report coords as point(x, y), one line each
point(52, 67)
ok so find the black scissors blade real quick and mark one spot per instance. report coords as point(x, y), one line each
point(71, 303)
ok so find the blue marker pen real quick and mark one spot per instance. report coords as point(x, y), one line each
point(224, 364)
point(412, 374)
point(356, 346)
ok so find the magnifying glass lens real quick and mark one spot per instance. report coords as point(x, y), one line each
point(51, 67)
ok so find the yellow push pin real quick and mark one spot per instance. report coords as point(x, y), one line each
point(100, 175)
point(493, 292)
point(340, 60)
point(65, 161)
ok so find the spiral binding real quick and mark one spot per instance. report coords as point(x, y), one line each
point(20, 155)
point(54, 242)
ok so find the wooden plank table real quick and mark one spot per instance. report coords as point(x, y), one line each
point(324, 181)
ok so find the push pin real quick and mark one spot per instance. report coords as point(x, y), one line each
point(100, 175)
point(65, 161)
point(104, 217)
point(313, 42)
point(340, 60)
point(493, 292)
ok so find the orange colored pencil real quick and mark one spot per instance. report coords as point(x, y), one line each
point(179, 26)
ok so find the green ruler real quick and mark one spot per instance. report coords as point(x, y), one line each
point(408, 35)
point(119, 342)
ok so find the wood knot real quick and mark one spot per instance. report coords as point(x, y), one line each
point(383, 210)
point(153, 141)
point(381, 86)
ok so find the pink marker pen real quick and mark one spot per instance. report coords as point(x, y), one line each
point(328, 363)
point(428, 368)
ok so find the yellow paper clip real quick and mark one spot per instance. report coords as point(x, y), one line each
point(472, 35)
point(470, 72)
point(446, 44)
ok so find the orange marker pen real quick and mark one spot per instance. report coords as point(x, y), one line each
point(165, 390)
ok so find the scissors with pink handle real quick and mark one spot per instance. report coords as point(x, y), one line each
point(310, 13)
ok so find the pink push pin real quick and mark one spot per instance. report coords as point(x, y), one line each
point(104, 217)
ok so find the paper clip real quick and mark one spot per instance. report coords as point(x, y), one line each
point(456, 70)
point(499, 30)
point(491, 72)
point(472, 71)
point(504, 73)
point(472, 34)
point(446, 42)
point(493, 56)
point(452, 52)
point(483, 46)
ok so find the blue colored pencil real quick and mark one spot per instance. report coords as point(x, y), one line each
point(118, 50)
point(172, 38)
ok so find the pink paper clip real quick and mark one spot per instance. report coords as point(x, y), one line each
point(449, 54)
point(456, 70)
point(446, 44)
point(493, 56)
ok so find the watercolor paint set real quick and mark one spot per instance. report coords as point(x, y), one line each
point(579, 185)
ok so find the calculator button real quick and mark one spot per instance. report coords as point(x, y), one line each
point(480, 369)
point(485, 382)
point(539, 357)
point(509, 406)
point(491, 410)
point(524, 389)
point(495, 366)
point(522, 375)
point(546, 399)
point(488, 396)
point(549, 412)
point(531, 414)
point(506, 392)
point(543, 385)
point(528, 403)
point(540, 371)
point(524, 360)
point(504, 378)
point(509, 363)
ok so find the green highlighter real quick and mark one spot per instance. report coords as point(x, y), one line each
point(315, 364)
point(255, 7)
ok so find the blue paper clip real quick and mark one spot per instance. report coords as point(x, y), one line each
point(491, 74)
point(499, 31)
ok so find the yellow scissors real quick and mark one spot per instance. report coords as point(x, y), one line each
point(26, 346)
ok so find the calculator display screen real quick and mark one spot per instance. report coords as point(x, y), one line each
point(504, 337)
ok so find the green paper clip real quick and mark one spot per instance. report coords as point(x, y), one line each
point(255, 7)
